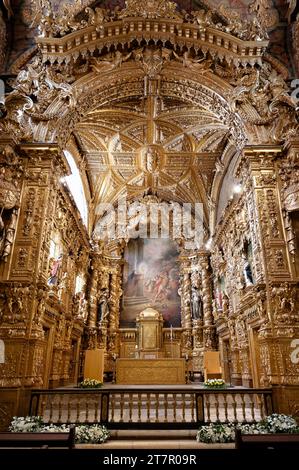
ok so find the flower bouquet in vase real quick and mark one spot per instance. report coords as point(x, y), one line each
point(214, 383)
point(90, 383)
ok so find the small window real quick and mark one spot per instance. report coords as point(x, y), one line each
point(76, 188)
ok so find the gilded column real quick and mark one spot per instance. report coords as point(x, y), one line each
point(209, 338)
point(114, 304)
point(115, 293)
point(185, 292)
point(93, 295)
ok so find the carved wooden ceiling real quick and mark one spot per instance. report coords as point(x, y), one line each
point(185, 142)
point(151, 98)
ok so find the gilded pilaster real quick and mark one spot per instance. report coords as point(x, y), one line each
point(274, 188)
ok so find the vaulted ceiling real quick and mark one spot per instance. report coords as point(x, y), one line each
point(187, 141)
point(164, 123)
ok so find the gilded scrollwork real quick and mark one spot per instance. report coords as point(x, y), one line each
point(174, 115)
point(265, 101)
point(265, 12)
point(153, 9)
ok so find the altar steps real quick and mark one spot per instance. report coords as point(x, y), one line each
point(155, 439)
point(153, 434)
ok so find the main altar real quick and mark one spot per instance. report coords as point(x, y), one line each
point(150, 366)
point(162, 371)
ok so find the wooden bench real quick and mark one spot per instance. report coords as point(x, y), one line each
point(42, 440)
point(266, 441)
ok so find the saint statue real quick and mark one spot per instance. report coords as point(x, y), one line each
point(55, 271)
point(196, 304)
point(247, 272)
point(7, 234)
point(218, 295)
point(103, 305)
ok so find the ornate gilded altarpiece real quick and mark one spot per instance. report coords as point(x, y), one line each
point(156, 106)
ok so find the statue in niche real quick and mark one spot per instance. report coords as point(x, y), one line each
point(247, 271)
point(62, 284)
point(218, 297)
point(81, 305)
point(8, 222)
point(9, 234)
point(103, 305)
point(55, 271)
point(225, 303)
point(196, 304)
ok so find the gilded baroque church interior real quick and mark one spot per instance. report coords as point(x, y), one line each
point(109, 109)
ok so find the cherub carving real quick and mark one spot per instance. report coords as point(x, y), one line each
point(200, 65)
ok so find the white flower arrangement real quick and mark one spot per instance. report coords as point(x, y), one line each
point(26, 424)
point(214, 383)
point(215, 432)
point(280, 423)
point(253, 428)
point(87, 433)
point(92, 434)
point(223, 433)
point(90, 383)
point(54, 428)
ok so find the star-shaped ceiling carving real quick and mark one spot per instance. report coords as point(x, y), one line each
point(182, 142)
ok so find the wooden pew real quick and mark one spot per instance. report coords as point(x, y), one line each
point(266, 441)
point(42, 440)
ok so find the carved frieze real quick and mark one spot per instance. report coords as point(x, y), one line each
point(284, 301)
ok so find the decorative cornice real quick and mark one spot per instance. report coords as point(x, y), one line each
point(87, 41)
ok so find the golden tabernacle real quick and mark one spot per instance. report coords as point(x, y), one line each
point(149, 324)
point(150, 371)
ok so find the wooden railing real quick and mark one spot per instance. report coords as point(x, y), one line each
point(159, 408)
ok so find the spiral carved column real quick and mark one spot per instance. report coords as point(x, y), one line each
point(93, 298)
point(114, 301)
point(209, 338)
point(185, 299)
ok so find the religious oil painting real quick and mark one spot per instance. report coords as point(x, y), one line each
point(151, 278)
